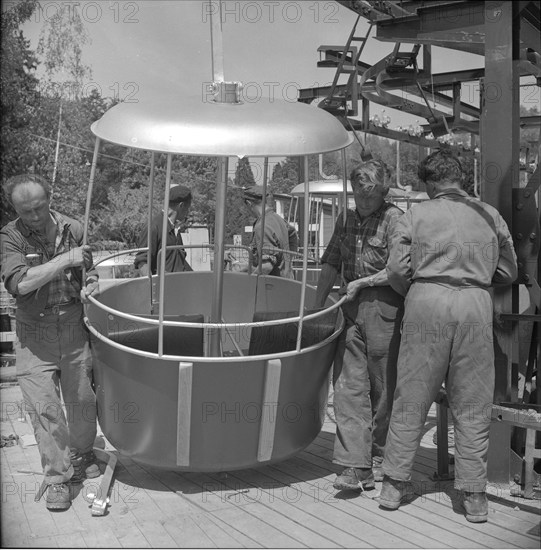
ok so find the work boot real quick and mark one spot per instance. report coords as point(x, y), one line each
point(354, 478)
point(84, 466)
point(377, 471)
point(476, 506)
point(58, 497)
point(393, 493)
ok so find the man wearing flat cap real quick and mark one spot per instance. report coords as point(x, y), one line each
point(276, 239)
point(180, 200)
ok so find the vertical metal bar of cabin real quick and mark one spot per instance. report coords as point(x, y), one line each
point(90, 189)
point(149, 228)
point(219, 235)
point(304, 252)
point(319, 209)
point(398, 183)
point(345, 205)
point(263, 209)
point(500, 155)
point(88, 200)
point(345, 187)
point(161, 275)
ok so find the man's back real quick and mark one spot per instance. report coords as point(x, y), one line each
point(452, 239)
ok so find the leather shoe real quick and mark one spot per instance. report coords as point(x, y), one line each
point(354, 478)
point(58, 497)
point(84, 466)
point(393, 493)
point(476, 506)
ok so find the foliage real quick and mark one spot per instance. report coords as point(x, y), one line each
point(119, 223)
point(238, 215)
point(61, 44)
point(19, 93)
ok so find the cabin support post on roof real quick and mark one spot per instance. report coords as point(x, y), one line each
point(500, 171)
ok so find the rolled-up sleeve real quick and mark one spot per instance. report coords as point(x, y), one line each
point(398, 267)
point(13, 260)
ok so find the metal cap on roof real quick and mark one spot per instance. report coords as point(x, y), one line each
point(193, 126)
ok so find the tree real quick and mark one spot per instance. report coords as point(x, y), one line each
point(244, 177)
point(118, 223)
point(285, 175)
point(19, 93)
point(61, 46)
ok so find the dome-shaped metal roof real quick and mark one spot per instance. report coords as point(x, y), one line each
point(192, 126)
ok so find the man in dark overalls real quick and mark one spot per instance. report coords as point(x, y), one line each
point(365, 364)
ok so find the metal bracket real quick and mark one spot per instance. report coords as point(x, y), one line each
point(99, 504)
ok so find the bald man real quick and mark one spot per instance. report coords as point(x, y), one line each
point(42, 261)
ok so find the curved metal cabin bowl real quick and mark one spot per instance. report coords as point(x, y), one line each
point(210, 413)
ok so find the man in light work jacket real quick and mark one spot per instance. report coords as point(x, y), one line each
point(445, 255)
point(180, 200)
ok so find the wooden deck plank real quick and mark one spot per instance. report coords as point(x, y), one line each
point(352, 498)
point(273, 507)
point(188, 533)
point(436, 492)
point(196, 495)
point(171, 502)
point(155, 533)
point(289, 504)
point(222, 484)
point(491, 534)
point(364, 509)
point(128, 532)
point(13, 522)
point(196, 489)
point(36, 520)
point(508, 518)
point(241, 539)
point(306, 506)
point(100, 536)
point(259, 530)
point(329, 495)
point(72, 540)
point(274, 496)
point(42, 542)
point(217, 532)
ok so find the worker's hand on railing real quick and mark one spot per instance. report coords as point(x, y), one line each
point(143, 270)
point(92, 288)
point(229, 258)
point(239, 266)
point(353, 288)
point(231, 263)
